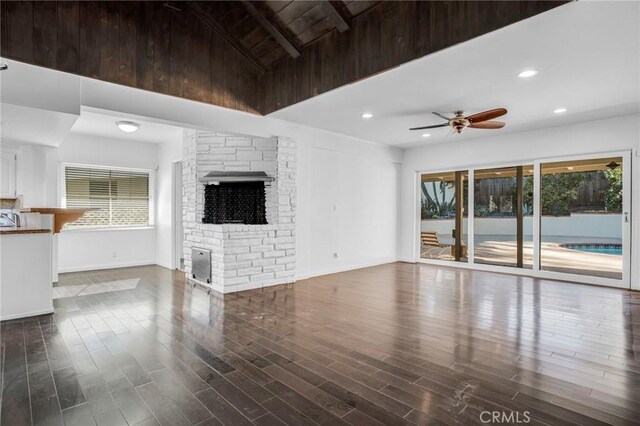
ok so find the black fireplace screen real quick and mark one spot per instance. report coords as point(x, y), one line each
point(235, 202)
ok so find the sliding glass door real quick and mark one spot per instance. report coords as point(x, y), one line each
point(503, 216)
point(443, 216)
point(583, 219)
point(565, 218)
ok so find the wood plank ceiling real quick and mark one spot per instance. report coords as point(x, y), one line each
point(254, 56)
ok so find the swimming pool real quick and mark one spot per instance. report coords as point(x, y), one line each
point(613, 249)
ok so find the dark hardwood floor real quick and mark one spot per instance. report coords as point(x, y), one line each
point(393, 344)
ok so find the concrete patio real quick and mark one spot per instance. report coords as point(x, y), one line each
point(499, 250)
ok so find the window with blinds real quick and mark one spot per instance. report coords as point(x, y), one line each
point(117, 197)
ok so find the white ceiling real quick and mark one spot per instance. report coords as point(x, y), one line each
point(42, 106)
point(587, 54)
point(103, 124)
point(37, 106)
point(20, 124)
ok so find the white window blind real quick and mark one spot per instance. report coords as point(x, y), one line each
point(118, 197)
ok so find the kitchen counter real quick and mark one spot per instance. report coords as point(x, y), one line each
point(61, 216)
point(22, 230)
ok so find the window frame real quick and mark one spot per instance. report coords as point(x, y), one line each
point(62, 195)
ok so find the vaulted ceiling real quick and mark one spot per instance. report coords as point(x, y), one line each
point(268, 31)
point(254, 56)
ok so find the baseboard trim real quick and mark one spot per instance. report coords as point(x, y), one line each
point(351, 267)
point(298, 277)
point(109, 266)
point(165, 265)
point(238, 287)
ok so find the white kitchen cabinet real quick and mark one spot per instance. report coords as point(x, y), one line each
point(25, 274)
point(8, 175)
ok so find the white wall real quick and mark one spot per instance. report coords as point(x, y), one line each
point(359, 178)
point(372, 221)
point(350, 210)
point(167, 155)
point(363, 177)
point(104, 249)
point(99, 249)
point(615, 134)
point(36, 175)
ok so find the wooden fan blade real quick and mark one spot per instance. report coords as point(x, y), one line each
point(487, 125)
point(430, 127)
point(486, 115)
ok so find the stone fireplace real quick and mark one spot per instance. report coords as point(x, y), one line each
point(247, 223)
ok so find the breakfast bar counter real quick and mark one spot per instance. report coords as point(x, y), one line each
point(21, 230)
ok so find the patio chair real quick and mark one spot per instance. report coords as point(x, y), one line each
point(435, 249)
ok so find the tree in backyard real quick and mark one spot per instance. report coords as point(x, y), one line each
point(558, 190)
point(613, 193)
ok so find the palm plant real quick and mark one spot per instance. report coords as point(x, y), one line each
point(435, 204)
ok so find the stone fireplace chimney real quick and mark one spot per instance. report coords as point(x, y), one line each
point(239, 203)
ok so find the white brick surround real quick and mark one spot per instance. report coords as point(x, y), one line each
point(242, 256)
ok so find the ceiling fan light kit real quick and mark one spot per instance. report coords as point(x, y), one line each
point(481, 120)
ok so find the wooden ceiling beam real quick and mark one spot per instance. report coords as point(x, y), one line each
point(197, 10)
point(334, 16)
point(282, 40)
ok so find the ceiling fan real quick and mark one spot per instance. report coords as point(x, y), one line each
point(480, 120)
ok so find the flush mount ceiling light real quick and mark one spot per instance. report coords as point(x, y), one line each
point(559, 110)
point(426, 135)
point(367, 115)
point(127, 126)
point(527, 73)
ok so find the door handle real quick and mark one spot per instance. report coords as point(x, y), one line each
point(626, 217)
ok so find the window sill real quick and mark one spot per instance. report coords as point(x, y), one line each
point(107, 229)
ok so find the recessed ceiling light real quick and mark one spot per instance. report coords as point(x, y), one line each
point(527, 73)
point(559, 110)
point(367, 115)
point(426, 135)
point(127, 126)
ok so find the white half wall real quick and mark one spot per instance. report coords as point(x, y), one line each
point(615, 134)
